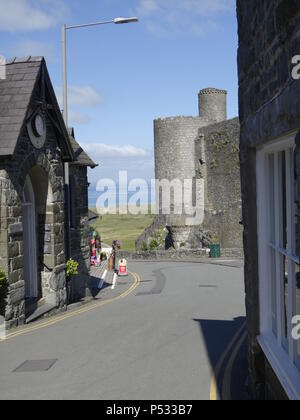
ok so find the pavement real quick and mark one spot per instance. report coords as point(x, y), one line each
point(168, 331)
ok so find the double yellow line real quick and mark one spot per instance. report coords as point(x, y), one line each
point(71, 314)
point(226, 387)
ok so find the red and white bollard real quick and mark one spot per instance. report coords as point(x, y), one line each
point(123, 268)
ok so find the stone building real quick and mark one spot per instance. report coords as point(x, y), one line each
point(80, 218)
point(205, 151)
point(34, 145)
point(269, 101)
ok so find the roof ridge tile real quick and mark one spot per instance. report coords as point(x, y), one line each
point(28, 59)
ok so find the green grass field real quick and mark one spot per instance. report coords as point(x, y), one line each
point(124, 228)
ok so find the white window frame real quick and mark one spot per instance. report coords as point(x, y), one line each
point(282, 361)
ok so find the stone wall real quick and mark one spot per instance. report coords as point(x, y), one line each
point(50, 224)
point(217, 157)
point(174, 147)
point(269, 101)
point(80, 247)
point(174, 140)
point(169, 255)
point(213, 104)
point(268, 39)
point(162, 255)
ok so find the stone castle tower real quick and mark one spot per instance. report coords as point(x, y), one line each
point(204, 150)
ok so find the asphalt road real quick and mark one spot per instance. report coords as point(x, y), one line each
point(163, 341)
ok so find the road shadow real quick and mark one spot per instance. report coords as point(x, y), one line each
point(94, 286)
point(217, 335)
point(159, 286)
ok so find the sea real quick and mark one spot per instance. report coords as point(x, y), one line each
point(123, 197)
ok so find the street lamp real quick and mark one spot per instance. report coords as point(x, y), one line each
point(65, 28)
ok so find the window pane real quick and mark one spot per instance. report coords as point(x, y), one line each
point(273, 290)
point(285, 315)
point(282, 165)
point(271, 199)
point(298, 310)
point(294, 205)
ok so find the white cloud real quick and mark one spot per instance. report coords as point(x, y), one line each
point(147, 7)
point(84, 96)
point(77, 117)
point(157, 29)
point(115, 158)
point(81, 95)
point(78, 97)
point(31, 15)
point(199, 7)
point(206, 8)
point(165, 17)
point(101, 150)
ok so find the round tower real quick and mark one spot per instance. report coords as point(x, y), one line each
point(174, 146)
point(213, 104)
point(175, 160)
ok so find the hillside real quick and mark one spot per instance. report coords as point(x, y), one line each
point(125, 228)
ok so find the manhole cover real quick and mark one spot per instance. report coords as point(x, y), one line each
point(35, 366)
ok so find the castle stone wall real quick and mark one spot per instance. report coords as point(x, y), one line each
point(177, 157)
point(174, 145)
point(213, 104)
point(217, 158)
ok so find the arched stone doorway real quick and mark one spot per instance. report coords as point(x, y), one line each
point(38, 240)
point(30, 241)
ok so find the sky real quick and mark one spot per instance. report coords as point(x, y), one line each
point(122, 77)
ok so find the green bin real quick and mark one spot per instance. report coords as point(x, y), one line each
point(215, 251)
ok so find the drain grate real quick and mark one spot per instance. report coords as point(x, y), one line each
point(35, 366)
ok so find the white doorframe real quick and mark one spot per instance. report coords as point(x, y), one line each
point(29, 241)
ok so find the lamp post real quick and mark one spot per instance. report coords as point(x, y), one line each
point(65, 28)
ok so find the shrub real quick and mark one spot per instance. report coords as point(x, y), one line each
point(71, 268)
point(154, 245)
point(3, 292)
point(214, 239)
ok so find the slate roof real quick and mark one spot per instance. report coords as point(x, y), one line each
point(15, 94)
point(80, 156)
